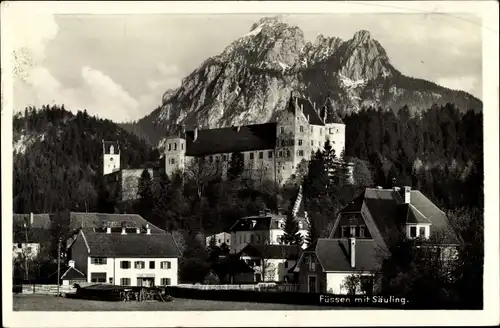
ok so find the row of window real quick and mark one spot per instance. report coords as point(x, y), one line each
point(310, 260)
point(163, 281)
point(353, 231)
point(301, 129)
point(173, 146)
point(413, 232)
point(127, 264)
point(100, 277)
point(171, 161)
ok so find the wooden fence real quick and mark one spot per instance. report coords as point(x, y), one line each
point(48, 289)
point(269, 287)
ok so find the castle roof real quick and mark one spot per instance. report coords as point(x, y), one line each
point(307, 109)
point(107, 146)
point(231, 139)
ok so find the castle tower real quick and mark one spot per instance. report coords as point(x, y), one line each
point(175, 151)
point(334, 127)
point(111, 157)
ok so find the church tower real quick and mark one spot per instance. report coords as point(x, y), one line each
point(175, 150)
point(111, 157)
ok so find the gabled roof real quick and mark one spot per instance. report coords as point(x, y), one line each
point(231, 139)
point(307, 109)
point(107, 146)
point(73, 274)
point(290, 252)
point(333, 255)
point(385, 210)
point(102, 244)
point(96, 220)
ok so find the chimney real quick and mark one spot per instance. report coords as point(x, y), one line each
point(138, 230)
point(148, 229)
point(71, 264)
point(124, 231)
point(31, 219)
point(195, 133)
point(108, 229)
point(407, 194)
point(352, 251)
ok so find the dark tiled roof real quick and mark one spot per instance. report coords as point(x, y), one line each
point(232, 139)
point(290, 252)
point(73, 274)
point(333, 255)
point(96, 220)
point(102, 244)
point(247, 223)
point(231, 265)
point(307, 109)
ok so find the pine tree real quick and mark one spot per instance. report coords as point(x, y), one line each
point(312, 231)
point(291, 234)
point(145, 186)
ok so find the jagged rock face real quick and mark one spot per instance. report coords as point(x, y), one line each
point(251, 80)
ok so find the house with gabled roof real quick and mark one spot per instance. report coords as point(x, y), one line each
point(132, 257)
point(361, 235)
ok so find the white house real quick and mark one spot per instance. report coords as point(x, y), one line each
point(219, 238)
point(132, 257)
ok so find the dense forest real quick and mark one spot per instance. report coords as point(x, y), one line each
point(58, 158)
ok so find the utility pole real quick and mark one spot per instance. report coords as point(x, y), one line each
point(58, 264)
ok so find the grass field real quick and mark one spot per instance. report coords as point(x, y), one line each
point(52, 303)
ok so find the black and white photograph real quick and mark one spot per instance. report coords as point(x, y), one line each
point(302, 160)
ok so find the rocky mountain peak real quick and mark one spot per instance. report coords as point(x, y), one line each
point(362, 36)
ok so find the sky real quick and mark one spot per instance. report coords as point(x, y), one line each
point(119, 66)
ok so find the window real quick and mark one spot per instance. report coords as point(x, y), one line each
point(301, 128)
point(301, 152)
point(175, 145)
point(413, 232)
point(169, 147)
point(218, 240)
point(282, 129)
point(286, 264)
point(165, 265)
point(139, 265)
point(261, 155)
point(251, 155)
point(312, 263)
point(362, 232)
point(98, 260)
point(182, 146)
point(280, 154)
point(311, 129)
point(288, 154)
point(331, 131)
point(151, 264)
point(98, 277)
point(165, 282)
point(345, 232)
point(270, 154)
point(125, 281)
point(422, 232)
point(300, 142)
point(312, 142)
point(283, 143)
point(124, 264)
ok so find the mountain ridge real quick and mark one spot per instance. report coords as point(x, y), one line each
point(251, 79)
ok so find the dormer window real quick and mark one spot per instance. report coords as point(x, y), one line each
point(416, 231)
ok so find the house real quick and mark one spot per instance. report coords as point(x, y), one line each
point(219, 239)
point(361, 235)
point(271, 263)
point(132, 256)
point(30, 234)
point(73, 276)
point(232, 270)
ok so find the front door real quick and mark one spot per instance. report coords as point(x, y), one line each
point(312, 284)
point(145, 282)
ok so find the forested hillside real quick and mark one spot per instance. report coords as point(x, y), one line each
point(58, 158)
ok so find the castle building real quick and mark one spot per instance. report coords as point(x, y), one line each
point(270, 150)
point(111, 157)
